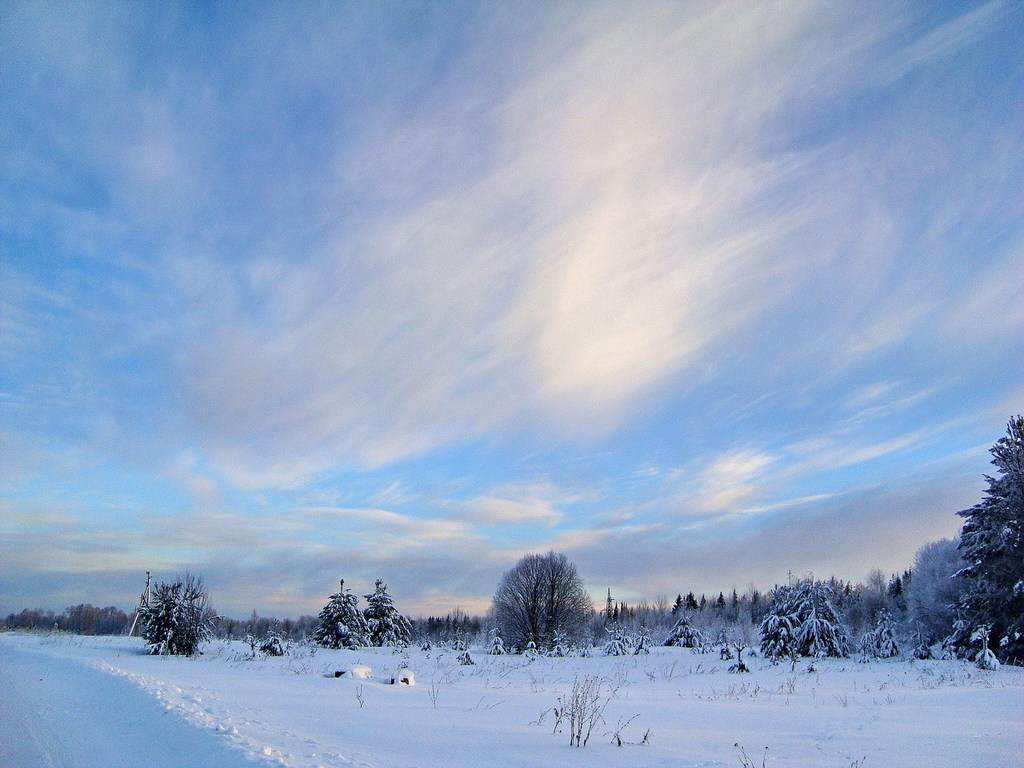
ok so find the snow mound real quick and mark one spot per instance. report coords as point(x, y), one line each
point(404, 677)
point(360, 671)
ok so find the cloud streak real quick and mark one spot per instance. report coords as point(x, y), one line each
point(352, 294)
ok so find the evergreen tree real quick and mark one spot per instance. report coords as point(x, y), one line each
point(618, 642)
point(880, 642)
point(641, 642)
point(178, 618)
point(802, 621)
point(992, 545)
point(384, 624)
point(821, 631)
point(691, 602)
point(341, 624)
point(778, 636)
point(779, 626)
point(678, 605)
point(684, 635)
point(497, 644)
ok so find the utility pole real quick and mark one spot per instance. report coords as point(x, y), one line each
point(143, 605)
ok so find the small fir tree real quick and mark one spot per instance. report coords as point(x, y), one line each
point(384, 624)
point(497, 647)
point(684, 635)
point(779, 626)
point(341, 624)
point(618, 643)
point(642, 642)
point(880, 642)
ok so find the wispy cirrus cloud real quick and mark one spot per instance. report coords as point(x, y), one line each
point(374, 279)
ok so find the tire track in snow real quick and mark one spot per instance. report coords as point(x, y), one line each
point(63, 714)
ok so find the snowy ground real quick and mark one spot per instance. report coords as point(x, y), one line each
point(284, 711)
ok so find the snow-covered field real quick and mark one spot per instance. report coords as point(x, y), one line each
point(500, 711)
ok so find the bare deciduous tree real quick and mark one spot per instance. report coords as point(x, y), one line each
point(542, 600)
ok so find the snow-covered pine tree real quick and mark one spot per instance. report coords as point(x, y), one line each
point(642, 642)
point(992, 544)
point(821, 631)
point(341, 623)
point(985, 658)
point(384, 624)
point(803, 622)
point(178, 618)
point(497, 647)
point(684, 634)
point(618, 644)
point(880, 641)
point(779, 626)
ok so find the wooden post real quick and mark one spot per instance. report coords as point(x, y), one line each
point(143, 604)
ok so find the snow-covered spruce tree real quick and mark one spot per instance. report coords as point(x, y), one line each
point(821, 631)
point(684, 634)
point(642, 642)
point(384, 624)
point(803, 622)
point(880, 642)
point(178, 618)
point(618, 643)
point(992, 545)
point(779, 626)
point(985, 658)
point(497, 646)
point(341, 624)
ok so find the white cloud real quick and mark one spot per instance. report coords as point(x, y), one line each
point(627, 218)
point(490, 510)
point(731, 479)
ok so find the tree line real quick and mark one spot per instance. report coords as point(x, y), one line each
point(82, 619)
point(965, 595)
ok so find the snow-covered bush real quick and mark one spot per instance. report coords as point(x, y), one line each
point(778, 635)
point(272, 645)
point(624, 643)
point(641, 642)
point(617, 644)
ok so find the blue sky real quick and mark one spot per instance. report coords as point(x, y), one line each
point(698, 294)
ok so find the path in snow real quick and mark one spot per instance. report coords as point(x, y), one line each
point(58, 713)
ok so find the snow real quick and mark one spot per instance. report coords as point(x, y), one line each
point(361, 671)
point(58, 712)
point(287, 712)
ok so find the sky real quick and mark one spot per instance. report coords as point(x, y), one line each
point(700, 294)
